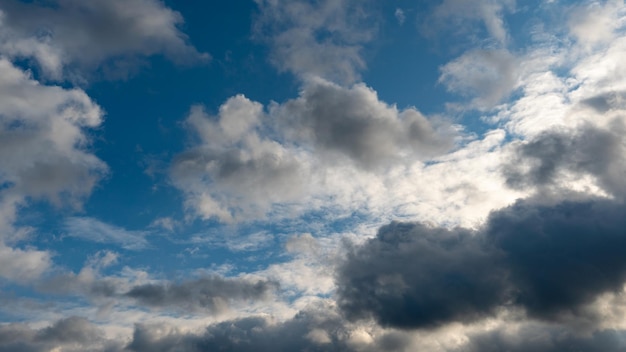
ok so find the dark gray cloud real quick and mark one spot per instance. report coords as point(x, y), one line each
point(548, 260)
point(61, 34)
point(353, 122)
point(411, 275)
point(588, 150)
point(310, 330)
point(539, 338)
point(69, 334)
point(212, 293)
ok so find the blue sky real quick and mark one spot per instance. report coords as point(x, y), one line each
point(328, 175)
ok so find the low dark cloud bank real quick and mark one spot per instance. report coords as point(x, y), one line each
point(212, 293)
point(548, 260)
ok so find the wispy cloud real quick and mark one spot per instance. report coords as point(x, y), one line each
point(93, 230)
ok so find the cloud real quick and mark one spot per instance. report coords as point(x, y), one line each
point(596, 22)
point(548, 260)
point(23, 265)
point(413, 276)
point(234, 171)
point(461, 14)
point(69, 334)
point(488, 75)
point(557, 157)
point(42, 145)
point(354, 123)
point(321, 38)
point(542, 338)
point(96, 231)
point(249, 162)
point(400, 16)
point(213, 294)
point(316, 329)
point(71, 38)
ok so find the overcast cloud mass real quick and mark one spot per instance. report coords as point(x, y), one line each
point(298, 175)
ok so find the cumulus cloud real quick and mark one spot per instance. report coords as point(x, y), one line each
point(23, 265)
point(353, 122)
point(249, 160)
point(558, 157)
point(234, 170)
point(321, 38)
point(42, 144)
point(70, 38)
point(547, 260)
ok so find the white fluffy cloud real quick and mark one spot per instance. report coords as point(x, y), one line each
point(43, 145)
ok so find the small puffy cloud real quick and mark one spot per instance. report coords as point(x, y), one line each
point(551, 261)
point(23, 265)
point(234, 171)
point(487, 75)
point(321, 38)
point(73, 37)
point(400, 16)
point(96, 231)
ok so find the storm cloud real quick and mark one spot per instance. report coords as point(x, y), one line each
point(548, 260)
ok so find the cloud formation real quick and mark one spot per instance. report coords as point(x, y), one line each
point(321, 38)
point(548, 260)
point(213, 294)
point(72, 38)
point(249, 160)
point(554, 157)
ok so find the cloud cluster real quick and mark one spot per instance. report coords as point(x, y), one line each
point(69, 334)
point(69, 38)
point(557, 157)
point(248, 160)
point(548, 260)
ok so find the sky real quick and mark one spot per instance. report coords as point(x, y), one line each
point(312, 175)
